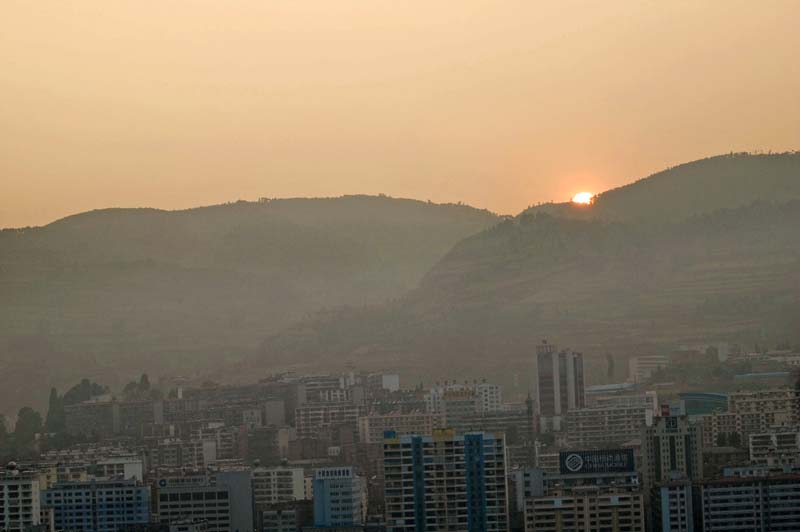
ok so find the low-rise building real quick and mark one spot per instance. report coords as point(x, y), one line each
point(775, 448)
point(98, 505)
point(313, 419)
point(371, 428)
point(338, 498)
point(586, 511)
point(641, 368)
point(606, 426)
point(223, 500)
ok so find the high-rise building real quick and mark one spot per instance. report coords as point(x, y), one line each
point(560, 385)
point(277, 484)
point(98, 506)
point(19, 500)
point(671, 448)
point(766, 504)
point(675, 507)
point(593, 490)
point(446, 482)
point(338, 498)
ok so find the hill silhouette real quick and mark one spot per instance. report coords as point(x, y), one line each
point(111, 293)
point(697, 187)
point(649, 266)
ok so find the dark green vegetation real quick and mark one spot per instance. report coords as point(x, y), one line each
point(115, 292)
point(713, 256)
point(31, 435)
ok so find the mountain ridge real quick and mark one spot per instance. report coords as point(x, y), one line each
point(118, 291)
point(711, 273)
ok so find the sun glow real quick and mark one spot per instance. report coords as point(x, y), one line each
point(584, 198)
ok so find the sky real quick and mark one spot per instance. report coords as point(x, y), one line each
point(498, 104)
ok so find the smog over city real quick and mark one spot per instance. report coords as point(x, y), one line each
point(380, 266)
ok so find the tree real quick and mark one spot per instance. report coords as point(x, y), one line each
point(56, 418)
point(144, 382)
point(83, 391)
point(734, 440)
point(3, 428)
point(29, 423)
point(722, 439)
point(610, 367)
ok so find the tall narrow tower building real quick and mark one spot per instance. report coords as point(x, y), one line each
point(559, 384)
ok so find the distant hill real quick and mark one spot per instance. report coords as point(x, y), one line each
point(698, 187)
point(108, 294)
point(682, 264)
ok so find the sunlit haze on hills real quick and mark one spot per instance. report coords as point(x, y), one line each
point(500, 105)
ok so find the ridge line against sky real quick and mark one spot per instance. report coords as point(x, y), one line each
point(498, 106)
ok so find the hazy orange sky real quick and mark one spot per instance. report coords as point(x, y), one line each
point(499, 104)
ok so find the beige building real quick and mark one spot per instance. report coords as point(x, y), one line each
point(588, 511)
point(313, 418)
point(754, 412)
point(273, 485)
point(372, 427)
point(606, 426)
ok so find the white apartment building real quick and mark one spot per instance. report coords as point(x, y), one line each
point(446, 482)
point(19, 500)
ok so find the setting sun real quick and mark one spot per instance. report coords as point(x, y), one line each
point(584, 198)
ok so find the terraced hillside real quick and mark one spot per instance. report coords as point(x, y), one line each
point(109, 294)
point(624, 287)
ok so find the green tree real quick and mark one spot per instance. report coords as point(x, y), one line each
point(734, 440)
point(83, 391)
point(722, 439)
point(56, 418)
point(29, 423)
point(610, 367)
